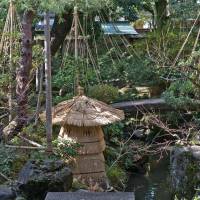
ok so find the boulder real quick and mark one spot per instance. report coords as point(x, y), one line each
point(185, 171)
point(6, 193)
point(37, 178)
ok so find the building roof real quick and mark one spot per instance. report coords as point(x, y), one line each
point(40, 25)
point(118, 28)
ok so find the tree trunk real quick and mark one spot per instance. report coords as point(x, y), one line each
point(22, 79)
point(59, 30)
point(162, 12)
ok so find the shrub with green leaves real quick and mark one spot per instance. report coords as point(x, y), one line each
point(4, 81)
point(7, 157)
point(117, 176)
point(105, 93)
point(114, 132)
point(66, 76)
point(65, 148)
point(181, 94)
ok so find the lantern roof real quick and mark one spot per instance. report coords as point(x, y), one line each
point(84, 111)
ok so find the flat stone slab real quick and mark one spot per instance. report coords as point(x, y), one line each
point(6, 193)
point(90, 196)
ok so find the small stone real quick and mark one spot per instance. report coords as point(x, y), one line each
point(20, 198)
point(82, 190)
point(6, 193)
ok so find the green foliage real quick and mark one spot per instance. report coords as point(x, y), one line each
point(111, 70)
point(141, 72)
point(181, 94)
point(184, 9)
point(11, 161)
point(130, 8)
point(159, 46)
point(36, 133)
point(7, 157)
point(116, 175)
point(105, 93)
point(66, 76)
point(57, 6)
point(38, 56)
point(4, 81)
point(197, 197)
point(114, 132)
point(66, 148)
point(77, 185)
point(128, 69)
point(111, 154)
point(59, 99)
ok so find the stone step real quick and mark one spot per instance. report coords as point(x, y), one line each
point(90, 196)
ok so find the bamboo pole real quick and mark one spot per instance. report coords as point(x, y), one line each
point(76, 31)
point(76, 46)
point(39, 95)
point(24, 147)
point(10, 61)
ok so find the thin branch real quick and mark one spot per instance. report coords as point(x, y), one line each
point(25, 147)
point(4, 177)
point(30, 141)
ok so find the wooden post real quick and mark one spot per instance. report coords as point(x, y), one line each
point(48, 82)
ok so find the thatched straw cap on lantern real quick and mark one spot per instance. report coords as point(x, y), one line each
point(84, 111)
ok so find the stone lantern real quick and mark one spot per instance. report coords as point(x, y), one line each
point(81, 120)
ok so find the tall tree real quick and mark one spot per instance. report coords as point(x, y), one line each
point(60, 29)
point(22, 78)
point(162, 12)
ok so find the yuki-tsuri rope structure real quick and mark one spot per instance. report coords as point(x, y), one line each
point(10, 48)
point(88, 46)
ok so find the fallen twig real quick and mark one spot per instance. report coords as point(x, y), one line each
point(4, 177)
point(3, 116)
point(25, 147)
point(35, 144)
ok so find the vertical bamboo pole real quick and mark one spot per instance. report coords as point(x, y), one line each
point(76, 31)
point(76, 45)
point(37, 82)
point(10, 62)
point(48, 82)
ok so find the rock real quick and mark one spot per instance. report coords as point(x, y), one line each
point(82, 190)
point(139, 134)
point(6, 193)
point(185, 171)
point(91, 196)
point(39, 177)
point(20, 198)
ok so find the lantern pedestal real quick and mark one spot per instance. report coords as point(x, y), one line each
point(89, 166)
